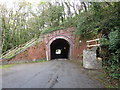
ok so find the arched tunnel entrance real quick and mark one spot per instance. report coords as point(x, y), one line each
point(59, 49)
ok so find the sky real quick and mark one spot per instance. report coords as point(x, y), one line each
point(37, 1)
point(31, 1)
point(9, 3)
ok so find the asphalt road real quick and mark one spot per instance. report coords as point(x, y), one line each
point(51, 74)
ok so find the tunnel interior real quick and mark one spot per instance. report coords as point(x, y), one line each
point(60, 49)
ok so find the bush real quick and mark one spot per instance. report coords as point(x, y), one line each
point(114, 40)
point(111, 63)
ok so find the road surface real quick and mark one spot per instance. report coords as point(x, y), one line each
point(51, 74)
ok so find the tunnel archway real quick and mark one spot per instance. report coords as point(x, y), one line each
point(60, 48)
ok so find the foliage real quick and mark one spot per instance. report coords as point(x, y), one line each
point(24, 22)
point(112, 63)
point(100, 17)
point(15, 29)
point(114, 40)
point(104, 41)
point(71, 22)
point(51, 29)
point(104, 18)
point(53, 15)
point(88, 25)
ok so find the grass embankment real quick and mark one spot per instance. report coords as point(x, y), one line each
point(38, 61)
point(6, 66)
point(10, 65)
point(51, 29)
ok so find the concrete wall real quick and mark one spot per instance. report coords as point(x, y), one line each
point(41, 50)
point(90, 60)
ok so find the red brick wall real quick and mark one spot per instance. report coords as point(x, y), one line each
point(65, 32)
point(78, 48)
point(32, 53)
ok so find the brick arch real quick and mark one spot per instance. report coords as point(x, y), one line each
point(48, 51)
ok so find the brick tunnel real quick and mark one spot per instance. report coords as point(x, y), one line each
point(55, 45)
point(60, 49)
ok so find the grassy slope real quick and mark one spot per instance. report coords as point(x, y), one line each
point(10, 65)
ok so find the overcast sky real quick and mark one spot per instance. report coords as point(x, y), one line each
point(9, 3)
point(37, 1)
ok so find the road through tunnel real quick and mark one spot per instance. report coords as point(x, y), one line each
point(60, 49)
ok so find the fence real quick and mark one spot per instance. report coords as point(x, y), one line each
point(93, 43)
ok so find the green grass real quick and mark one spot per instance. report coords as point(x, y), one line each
point(6, 66)
point(10, 65)
point(110, 86)
point(39, 61)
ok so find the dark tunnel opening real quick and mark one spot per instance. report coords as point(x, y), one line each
point(60, 49)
